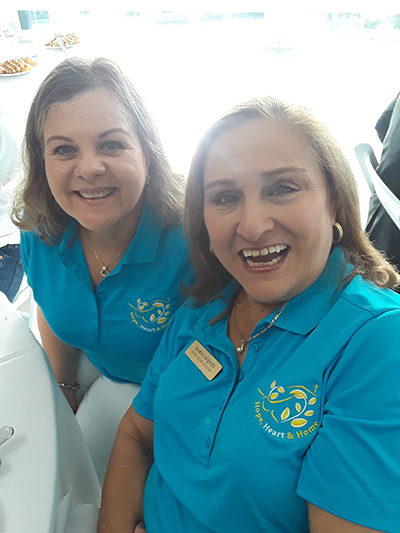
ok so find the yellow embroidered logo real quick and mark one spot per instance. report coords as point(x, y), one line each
point(151, 316)
point(287, 407)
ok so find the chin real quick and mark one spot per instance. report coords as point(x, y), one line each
point(269, 296)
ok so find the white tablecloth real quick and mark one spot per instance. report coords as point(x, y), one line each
point(48, 483)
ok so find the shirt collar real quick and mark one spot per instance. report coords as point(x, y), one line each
point(303, 313)
point(144, 245)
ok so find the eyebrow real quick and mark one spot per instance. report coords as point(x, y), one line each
point(58, 138)
point(266, 175)
point(219, 183)
point(113, 130)
point(283, 170)
point(101, 136)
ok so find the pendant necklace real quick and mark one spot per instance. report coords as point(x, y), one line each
point(104, 271)
point(244, 341)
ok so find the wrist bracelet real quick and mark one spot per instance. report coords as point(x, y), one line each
point(64, 385)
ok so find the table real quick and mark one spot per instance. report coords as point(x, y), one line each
point(48, 483)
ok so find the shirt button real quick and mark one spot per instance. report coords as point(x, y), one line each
point(208, 442)
point(255, 347)
point(94, 316)
point(101, 296)
point(91, 338)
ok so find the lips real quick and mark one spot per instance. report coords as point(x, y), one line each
point(94, 194)
point(265, 257)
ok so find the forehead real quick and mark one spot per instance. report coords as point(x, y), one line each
point(97, 107)
point(258, 145)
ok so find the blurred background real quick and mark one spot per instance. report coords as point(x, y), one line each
point(193, 60)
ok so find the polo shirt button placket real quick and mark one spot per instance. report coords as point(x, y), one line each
point(101, 296)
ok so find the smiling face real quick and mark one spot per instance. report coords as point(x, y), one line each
point(95, 165)
point(266, 210)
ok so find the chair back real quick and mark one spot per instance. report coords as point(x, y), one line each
point(368, 163)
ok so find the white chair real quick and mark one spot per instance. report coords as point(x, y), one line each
point(368, 164)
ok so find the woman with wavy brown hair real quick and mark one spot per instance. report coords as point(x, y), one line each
point(102, 246)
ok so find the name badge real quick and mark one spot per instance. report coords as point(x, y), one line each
point(205, 362)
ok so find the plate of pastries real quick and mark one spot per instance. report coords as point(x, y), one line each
point(16, 66)
point(68, 40)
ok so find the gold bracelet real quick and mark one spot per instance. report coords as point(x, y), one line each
point(64, 385)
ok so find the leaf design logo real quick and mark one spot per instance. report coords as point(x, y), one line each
point(289, 404)
point(155, 312)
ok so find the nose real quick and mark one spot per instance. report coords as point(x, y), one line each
point(89, 166)
point(254, 221)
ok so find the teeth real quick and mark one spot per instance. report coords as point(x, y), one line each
point(264, 264)
point(95, 194)
point(265, 251)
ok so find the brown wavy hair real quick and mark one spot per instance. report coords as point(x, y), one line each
point(35, 208)
point(340, 182)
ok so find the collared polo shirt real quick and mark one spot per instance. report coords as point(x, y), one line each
point(312, 415)
point(121, 324)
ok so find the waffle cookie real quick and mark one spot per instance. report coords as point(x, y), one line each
point(14, 66)
point(67, 40)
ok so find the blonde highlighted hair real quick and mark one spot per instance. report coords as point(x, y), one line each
point(340, 182)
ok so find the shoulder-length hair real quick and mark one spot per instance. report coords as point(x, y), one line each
point(34, 205)
point(211, 276)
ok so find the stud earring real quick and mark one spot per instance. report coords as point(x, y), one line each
point(337, 231)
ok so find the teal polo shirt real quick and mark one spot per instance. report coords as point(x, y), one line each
point(121, 324)
point(312, 415)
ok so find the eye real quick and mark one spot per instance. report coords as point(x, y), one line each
point(112, 147)
point(65, 151)
point(226, 199)
point(282, 189)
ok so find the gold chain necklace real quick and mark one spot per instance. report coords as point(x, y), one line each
point(104, 271)
point(244, 341)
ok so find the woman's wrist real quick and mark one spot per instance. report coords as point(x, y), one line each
point(64, 385)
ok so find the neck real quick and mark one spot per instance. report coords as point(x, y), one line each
point(252, 311)
point(111, 240)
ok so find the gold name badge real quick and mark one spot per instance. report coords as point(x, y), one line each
point(205, 362)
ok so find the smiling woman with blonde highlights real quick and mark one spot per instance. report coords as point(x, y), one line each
point(340, 184)
point(272, 403)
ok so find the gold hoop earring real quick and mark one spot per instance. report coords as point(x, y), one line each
point(337, 231)
point(212, 251)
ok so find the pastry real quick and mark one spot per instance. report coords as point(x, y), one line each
point(16, 65)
